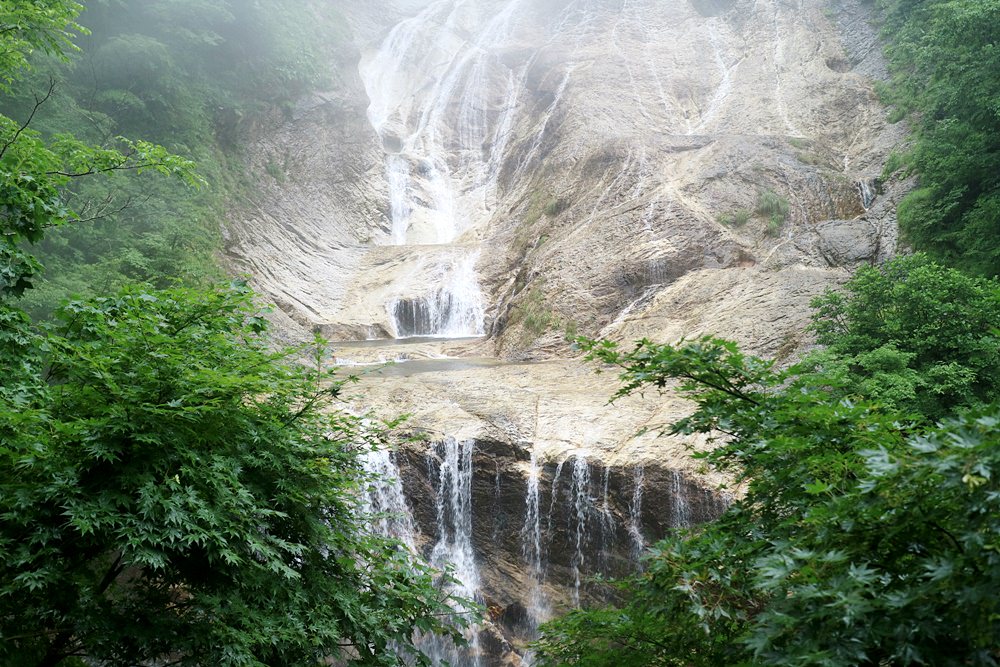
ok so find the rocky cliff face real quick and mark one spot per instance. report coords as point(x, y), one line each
point(495, 174)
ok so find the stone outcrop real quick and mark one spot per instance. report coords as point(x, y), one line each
point(529, 169)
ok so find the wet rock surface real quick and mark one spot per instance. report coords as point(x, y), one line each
point(535, 170)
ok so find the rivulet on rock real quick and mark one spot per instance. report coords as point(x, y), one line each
point(523, 170)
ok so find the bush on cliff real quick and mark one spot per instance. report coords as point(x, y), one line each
point(866, 535)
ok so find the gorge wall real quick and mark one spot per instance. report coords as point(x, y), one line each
point(488, 176)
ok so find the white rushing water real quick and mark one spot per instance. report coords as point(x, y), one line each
point(451, 460)
point(443, 102)
point(454, 308)
point(385, 501)
point(531, 546)
point(635, 513)
point(868, 190)
point(582, 505)
point(681, 515)
point(450, 466)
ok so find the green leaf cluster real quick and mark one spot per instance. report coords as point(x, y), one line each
point(29, 26)
point(171, 486)
point(946, 75)
point(913, 335)
point(864, 535)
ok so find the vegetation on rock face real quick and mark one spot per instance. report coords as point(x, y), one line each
point(946, 67)
point(190, 75)
point(866, 536)
point(172, 490)
point(737, 218)
point(775, 208)
point(914, 336)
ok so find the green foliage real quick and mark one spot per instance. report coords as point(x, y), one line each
point(858, 541)
point(772, 205)
point(191, 75)
point(914, 335)
point(946, 68)
point(275, 171)
point(787, 434)
point(171, 486)
point(47, 26)
point(533, 313)
point(555, 206)
point(896, 162)
point(900, 570)
point(36, 172)
point(571, 330)
point(865, 536)
point(737, 218)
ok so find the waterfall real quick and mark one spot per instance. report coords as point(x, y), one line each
point(607, 522)
point(453, 489)
point(432, 103)
point(554, 496)
point(584, 507)
point(384, 500)
point(635, 514)
point(454, 309)
point(531, 546)
point(398, 177)
point(581, 506)
point(868, 190)
point(681, 513)
point(442, 102)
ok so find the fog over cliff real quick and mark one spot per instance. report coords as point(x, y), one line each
point(488, 176)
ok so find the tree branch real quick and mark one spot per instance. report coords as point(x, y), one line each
point(38, 103)
point(104, 209)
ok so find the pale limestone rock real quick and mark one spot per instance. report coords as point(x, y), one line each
point(587, 153)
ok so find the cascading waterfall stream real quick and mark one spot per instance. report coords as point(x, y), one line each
point(531, 549)
point(635, 514)
point(681, 517)
point(868, 190)
point(440, 178)
point(454, 309)
point(582, 504)
point(451, 459)
point(385, 501)
point(583, 522)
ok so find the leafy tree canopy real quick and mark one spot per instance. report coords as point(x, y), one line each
point(35, 172)
point(946, 65)
point(864, 536)
point(27, 26)
point(172, 487)
point(919, 337)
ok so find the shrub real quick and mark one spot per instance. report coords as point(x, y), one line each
point(555, 206)
point(737, 218)
point(773, 205)
point(774, 225)
point(275, 171)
